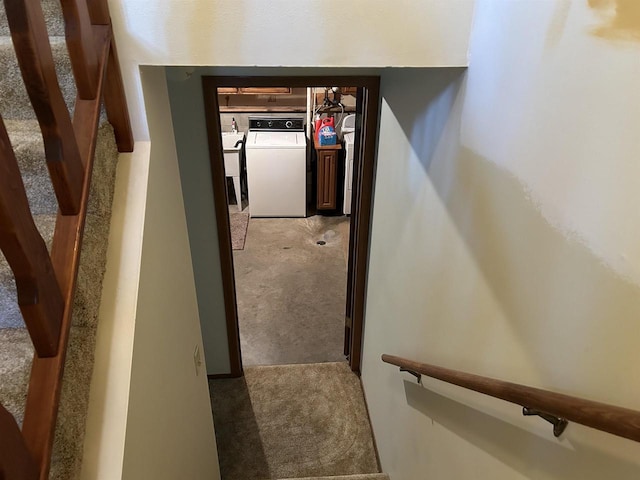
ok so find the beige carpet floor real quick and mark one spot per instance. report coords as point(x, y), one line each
point(291, 421)
point(291, 290)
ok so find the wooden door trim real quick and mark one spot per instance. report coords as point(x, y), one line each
point(362, 206)
point(364, 166)
point(218, 179)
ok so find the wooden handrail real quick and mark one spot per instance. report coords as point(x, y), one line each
point(619, 421)
point(31, 43)
point(39, 295)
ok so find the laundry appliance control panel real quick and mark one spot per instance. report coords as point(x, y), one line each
point(279, 123)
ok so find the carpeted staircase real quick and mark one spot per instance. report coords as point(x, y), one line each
point(16, 351)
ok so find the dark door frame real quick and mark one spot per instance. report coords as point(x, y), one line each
point(368, 106)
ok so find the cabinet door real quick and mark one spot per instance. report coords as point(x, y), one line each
point(327, 173)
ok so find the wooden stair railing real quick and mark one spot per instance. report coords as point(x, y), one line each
point(46, 283)
point(554, 407)
point(31, 43)
point(117, 112)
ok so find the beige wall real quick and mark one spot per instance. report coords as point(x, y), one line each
point(169, 431)
point(109, 397)
point(190, 132)
point(288, 33)
point(505, 243)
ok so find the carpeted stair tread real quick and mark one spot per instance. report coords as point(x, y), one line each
point(289, 421)
point(27, 144)
point(52, 15)
point(14, 101)
point(366, 476)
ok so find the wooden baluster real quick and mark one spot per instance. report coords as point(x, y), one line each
point(39, 295)
point(31, 43)
point(16, 462)
point(82, 49)
point(115, 101)
point(99, 12)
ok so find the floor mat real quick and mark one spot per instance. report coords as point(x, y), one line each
point(239, 224)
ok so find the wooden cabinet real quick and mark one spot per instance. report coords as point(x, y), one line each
point(265, 90)
point(253, 90)
point(326, 175)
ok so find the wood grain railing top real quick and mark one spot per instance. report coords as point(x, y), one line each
point(619, 421)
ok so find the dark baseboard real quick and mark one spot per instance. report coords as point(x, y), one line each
point(218, 376)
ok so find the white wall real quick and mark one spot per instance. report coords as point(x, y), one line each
point(169, 431)
point(505, 243)
point(362, 33)
point(190, 130)
point(109, 397)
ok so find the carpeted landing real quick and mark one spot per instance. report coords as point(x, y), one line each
point(293, 421)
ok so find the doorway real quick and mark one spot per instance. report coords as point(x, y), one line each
point(366, 108)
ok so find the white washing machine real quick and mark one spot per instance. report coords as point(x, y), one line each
point(276, 156)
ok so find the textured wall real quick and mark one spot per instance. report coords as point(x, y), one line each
point(505, 243)
point(289, 33)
